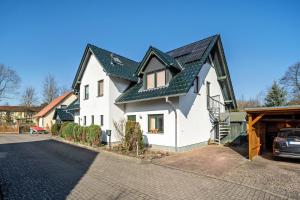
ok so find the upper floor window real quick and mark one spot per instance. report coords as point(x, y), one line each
point(100, 88)
point(86, 92)
point(156, 79)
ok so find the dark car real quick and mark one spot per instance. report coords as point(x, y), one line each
point(287, 143)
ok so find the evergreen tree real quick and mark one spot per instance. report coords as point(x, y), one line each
point(276, 96)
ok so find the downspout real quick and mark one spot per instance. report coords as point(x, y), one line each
point(174, 109)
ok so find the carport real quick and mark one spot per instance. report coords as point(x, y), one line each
point(265, 122)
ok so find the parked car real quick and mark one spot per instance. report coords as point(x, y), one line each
point(287, 143)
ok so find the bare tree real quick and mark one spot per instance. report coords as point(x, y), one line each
point(50, 89)
point(291, 82)
point(64, 89)
point(252, 102)
point(9, 82)
point(29, 97)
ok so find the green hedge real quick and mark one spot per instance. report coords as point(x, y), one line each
point(84, 134)
point(93, 135)
point(67, 132)
point(133, 135)
point(55, 129)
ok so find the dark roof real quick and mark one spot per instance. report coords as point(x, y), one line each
point(20, 109)
point(113, 64)
point(73, 106)
point(191, 57)
point(168, 60)
point(63, 114)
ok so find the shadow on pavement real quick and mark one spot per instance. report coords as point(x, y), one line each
point(45, 169)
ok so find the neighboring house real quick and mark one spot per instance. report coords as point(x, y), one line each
point(44, 118)
point(68, 114)
point(10, 114)
point(176, 96)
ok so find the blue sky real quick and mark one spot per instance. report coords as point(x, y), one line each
point(261, 38)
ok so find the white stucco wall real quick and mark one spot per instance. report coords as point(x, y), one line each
point(193, 117)
point(143, 109)
point(103, 105)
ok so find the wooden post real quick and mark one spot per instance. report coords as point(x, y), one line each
point(250, 136)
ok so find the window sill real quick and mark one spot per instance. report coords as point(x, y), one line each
point(158, 133)
point(99, 95)
point(85, 99)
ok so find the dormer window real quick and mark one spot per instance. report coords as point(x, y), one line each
point(156, 79)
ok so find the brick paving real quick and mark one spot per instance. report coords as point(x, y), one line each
point(36, 167)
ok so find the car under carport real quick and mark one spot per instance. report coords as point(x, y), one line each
point(264, 124)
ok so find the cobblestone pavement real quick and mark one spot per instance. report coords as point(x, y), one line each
point(36, 167)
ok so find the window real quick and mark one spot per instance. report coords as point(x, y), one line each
point(156, 79)
point(150, 81)
point(92, 119)
point(161, 78)
point(84, 120)
point(208, 93)
point(100, 88)
point(131, 118)
point(156, 123)
point(196, 85)
point(101, 120)
point(86, 92)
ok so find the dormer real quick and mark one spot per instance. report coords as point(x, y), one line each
point(157, 69)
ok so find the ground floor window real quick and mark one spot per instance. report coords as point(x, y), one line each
point(101, 120)
point(92, 119)
point(131, 118)
point(156, 123)
point(84, 120)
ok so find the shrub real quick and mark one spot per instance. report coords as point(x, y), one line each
point(77, 133)
point(55, 129)
point(62, 127)
point(133, 135)
point(67, 131)
point(93, 135)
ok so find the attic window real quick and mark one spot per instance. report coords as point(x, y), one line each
point(156, 79)
point(115, 60)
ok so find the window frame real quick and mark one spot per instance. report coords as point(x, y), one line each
point(92, 120)
point(155, 78)
point(156, 116)
point(101, 120)
point(84, 120)
point(99, 94)
point(131, 116)
point(86, 92)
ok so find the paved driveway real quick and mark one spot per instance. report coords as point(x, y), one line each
point(36, 167)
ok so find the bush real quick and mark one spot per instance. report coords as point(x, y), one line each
point(93, 135)
point(133, 135)
point(83, 133)
point(67, 131)
point(77, 133)
point(62, 127)
point(55, 129)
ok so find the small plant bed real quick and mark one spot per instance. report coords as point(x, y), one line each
point(145, 154)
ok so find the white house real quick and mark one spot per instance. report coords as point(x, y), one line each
point(176, 96)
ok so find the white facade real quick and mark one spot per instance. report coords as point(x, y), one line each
point(193, 122)
point(103, 105)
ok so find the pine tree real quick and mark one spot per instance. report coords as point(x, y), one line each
point(276, 96)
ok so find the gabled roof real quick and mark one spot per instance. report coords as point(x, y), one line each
point(63, 114)
point(20, 109)
point(165, 58)
point(191, 57)
point(73, 106)
point(113, 64)
point(52, 105)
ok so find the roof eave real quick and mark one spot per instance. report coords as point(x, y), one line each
point(149, 99)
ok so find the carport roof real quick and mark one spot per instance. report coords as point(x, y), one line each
point(277, 109)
